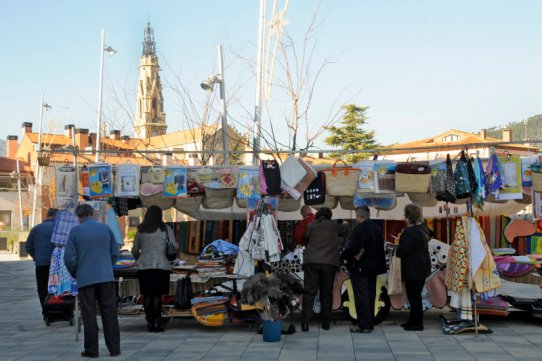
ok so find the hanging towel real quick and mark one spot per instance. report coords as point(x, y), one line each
point(112, 221)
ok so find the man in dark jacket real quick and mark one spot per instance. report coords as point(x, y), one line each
point(40, 248)
point(366, 260)
point(91, 252)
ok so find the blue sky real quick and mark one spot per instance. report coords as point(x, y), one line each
point(421, 66)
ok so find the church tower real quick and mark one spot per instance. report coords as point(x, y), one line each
point(150, 116)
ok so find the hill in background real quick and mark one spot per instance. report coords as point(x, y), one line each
point(526, 130)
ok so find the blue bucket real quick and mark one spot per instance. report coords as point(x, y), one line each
point(272, 330)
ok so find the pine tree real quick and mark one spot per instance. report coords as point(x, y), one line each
point(351, 135)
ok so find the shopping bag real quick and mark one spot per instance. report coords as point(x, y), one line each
point(183, 294)
point(341, 181)
point(395, 286)
point(315, 194)
point(413, 177)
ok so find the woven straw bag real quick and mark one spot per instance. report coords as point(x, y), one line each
point(537, 181)
point(423, 199)
point(241, 202)
point(412, 177)
point(188, 204)
point(157, 200)
point(218, 198)
point(347, 202)
point(330, 202)
point(289, 204)
point(341, 181)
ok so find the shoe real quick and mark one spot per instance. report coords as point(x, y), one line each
point(403, 325)
point(89, 354)
point(325, 326)
point(304, 327)
point(115, 354)
point(150, 326)
point(413, 328)
point(357, 329)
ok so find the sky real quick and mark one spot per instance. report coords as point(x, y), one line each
point(422, 67)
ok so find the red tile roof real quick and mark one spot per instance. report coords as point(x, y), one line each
point(8, 165)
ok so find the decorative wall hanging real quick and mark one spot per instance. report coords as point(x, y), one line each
point(127, 180)
point(175, 182)
point(101, 181)
point(65, 186)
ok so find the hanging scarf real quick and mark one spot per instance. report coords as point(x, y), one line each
point(480, 177)
point(493, 175)
point(458, 259)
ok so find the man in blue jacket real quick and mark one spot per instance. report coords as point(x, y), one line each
point(366, 260)
point(91, 252)
point(40, 248)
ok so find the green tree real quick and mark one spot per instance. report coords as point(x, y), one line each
point(350, 135)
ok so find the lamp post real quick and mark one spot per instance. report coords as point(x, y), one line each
point(37, 176)
point(111, 52)
point(259, 90)
point(208, 85)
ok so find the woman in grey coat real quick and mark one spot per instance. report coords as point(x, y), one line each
point(149, 250)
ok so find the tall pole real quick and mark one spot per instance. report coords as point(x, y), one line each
point(20, 195)
point(37, 167)
point(100, 93)
point(259, 73)
point(223, 107)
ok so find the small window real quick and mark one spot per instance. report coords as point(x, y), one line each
point(451, 138)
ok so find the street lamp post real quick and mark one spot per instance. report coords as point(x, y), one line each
point(259, 90)
point(208, 85)
point(111, 52)
point(37, 176)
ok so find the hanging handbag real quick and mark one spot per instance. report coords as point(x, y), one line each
point(413, 177)
point(461, 178)
point(341, 181)
point(271, 175)
point(171, 251)
point(447, 192)
point(315, 193)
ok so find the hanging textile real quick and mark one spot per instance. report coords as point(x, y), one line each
point(113, 223)
point(64, 222)
point(65, 186)
point(248, 186)
point(127, 180)
point(463, 188)
point(100, 179)
point(175, 182)
point(479, 175)
point(60, 280)
point(458, 259)
point(511, 178)
point(493, 175)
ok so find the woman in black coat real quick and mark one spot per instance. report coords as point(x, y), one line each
point(415, 263)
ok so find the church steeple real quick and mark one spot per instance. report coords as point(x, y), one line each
point(149, 46)
point(150, 116)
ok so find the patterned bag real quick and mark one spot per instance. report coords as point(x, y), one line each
point(463, 188)
point(447, 192)
point(315, 194)
point(395, 286)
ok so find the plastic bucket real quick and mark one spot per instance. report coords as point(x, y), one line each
point(272, 330)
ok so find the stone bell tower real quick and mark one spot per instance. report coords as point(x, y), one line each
point(150, 116)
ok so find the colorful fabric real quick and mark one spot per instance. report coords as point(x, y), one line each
point(480, 177)
point(535, 245)
point(175, 182)
point(248, 186)
point(493, 175)
point(462, 301)
point(486, 276)
point(100, 181)
point(64, 222)
point(60, 280)
point(458, 259)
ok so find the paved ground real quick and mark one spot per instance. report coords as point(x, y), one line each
point(23, 336)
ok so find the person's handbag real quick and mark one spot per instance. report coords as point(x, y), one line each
point(183, 294)
point(395, 285)
point(171, 251)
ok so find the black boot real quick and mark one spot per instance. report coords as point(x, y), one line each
point(158, 326)
point(150, 324)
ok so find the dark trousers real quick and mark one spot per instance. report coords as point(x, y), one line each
point(364, 288)
point(42, 281)
point(106, 296)
point(414, 295)
point(318, 277)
